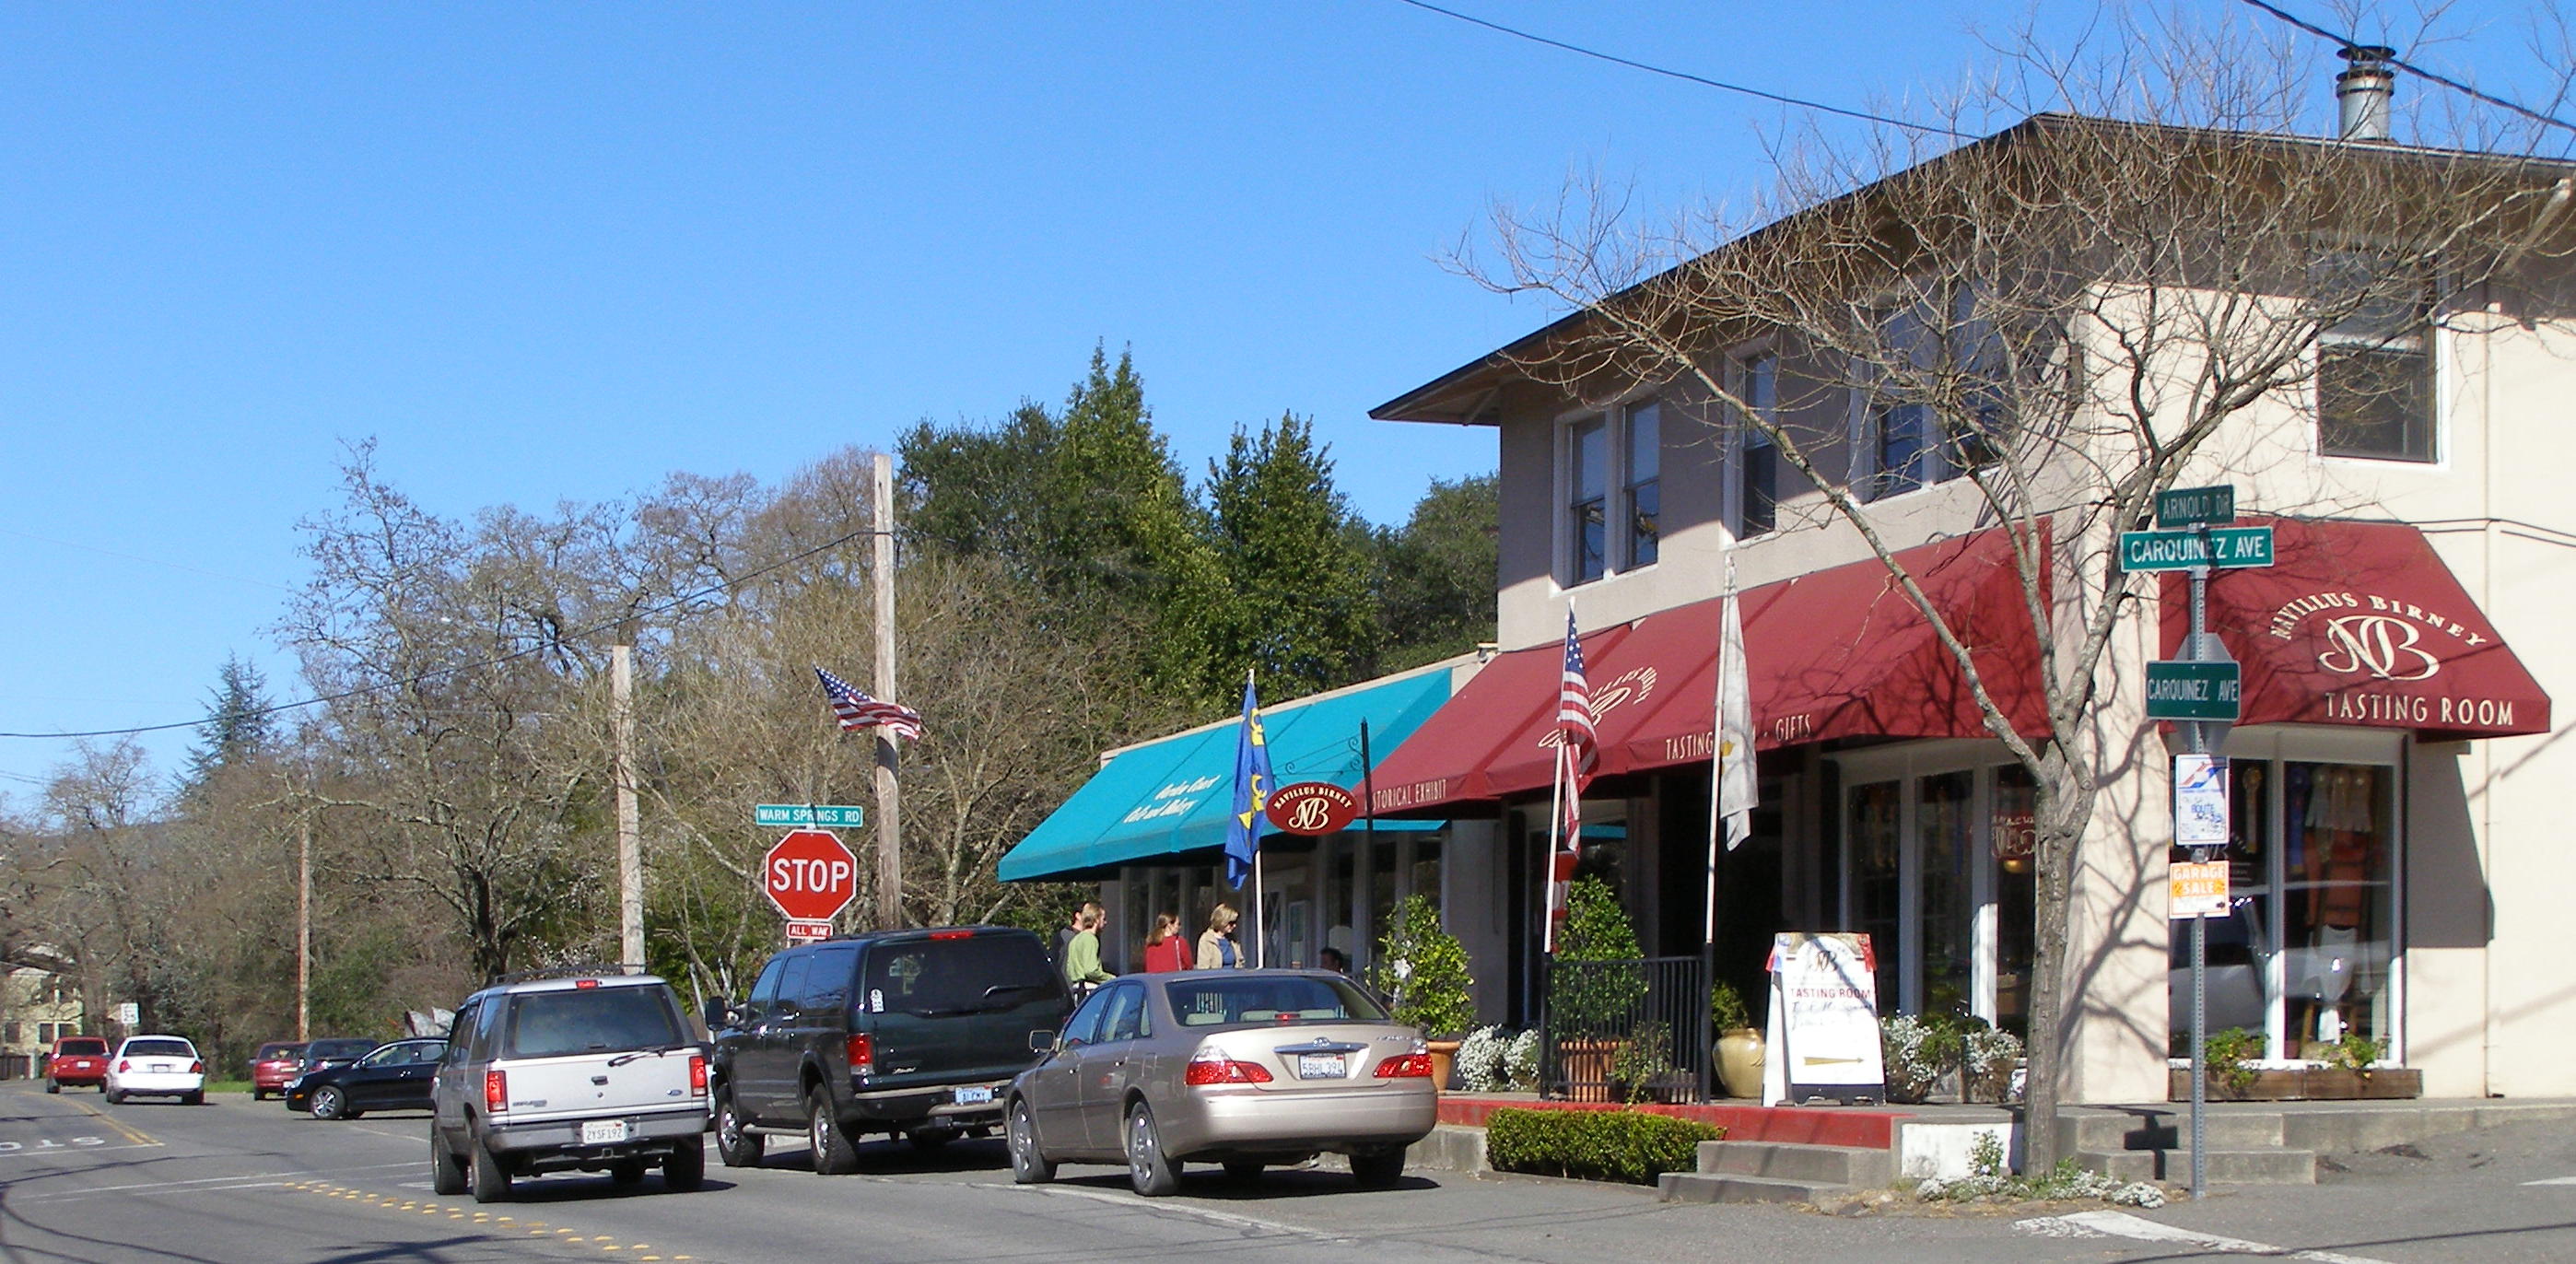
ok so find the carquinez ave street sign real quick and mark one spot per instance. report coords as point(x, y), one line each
point(2182, 550)
point(2181, 690)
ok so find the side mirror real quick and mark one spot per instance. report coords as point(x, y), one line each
point(716, 1013)
point(1042, 1043)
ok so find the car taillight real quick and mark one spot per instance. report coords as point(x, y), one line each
point(1405, 1066)
point(863, 1055)
point(697, 1075)
point(123, 1066)
point(585, 985)
point(1211, 1066)
point(196, 1068)
point(952, 934)
point(496, 1091)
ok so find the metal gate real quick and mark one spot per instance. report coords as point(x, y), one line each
point(1626, 1031)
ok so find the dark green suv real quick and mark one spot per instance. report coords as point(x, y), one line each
point(914, 1033)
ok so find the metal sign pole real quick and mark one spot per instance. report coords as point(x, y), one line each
point(2199, 743)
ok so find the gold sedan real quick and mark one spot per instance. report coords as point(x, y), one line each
point(1245, 1068)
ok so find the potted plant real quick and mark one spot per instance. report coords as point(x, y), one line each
point(1422, 970)
point(1739, 1043)
point(1594, 988)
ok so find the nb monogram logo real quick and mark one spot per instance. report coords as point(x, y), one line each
point(2380, 645)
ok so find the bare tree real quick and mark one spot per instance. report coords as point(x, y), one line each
point(2059, 320)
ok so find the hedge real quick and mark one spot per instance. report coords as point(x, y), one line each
point(1595, 1145)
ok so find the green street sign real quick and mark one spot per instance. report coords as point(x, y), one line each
point(809, 815)
point(2196, 506)
point(2179, 690)
point(2182, 550)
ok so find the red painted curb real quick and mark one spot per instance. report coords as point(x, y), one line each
point(1840, 1126)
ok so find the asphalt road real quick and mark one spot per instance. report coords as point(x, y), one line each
point(237, 1181)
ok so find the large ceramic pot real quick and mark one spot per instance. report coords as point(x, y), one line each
point(1444, 1056)
point(1739, 1062)
point(1586, 1066)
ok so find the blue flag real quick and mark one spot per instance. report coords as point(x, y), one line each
point(1252, 786)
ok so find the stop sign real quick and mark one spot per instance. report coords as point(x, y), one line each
point(810, 876)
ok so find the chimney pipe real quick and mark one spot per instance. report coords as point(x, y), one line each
point(2362, 93)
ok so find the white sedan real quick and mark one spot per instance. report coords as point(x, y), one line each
point(156, 1066)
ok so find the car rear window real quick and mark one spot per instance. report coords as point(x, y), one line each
point(272, 1052)
point(82, 1048)
point(554, 1024)
point(1216, 1002)
point(963, 975)
point(159, 1049)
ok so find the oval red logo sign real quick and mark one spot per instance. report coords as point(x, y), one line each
point(1312, 807)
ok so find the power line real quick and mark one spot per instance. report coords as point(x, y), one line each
point(2411, 68)
point(1687, 77)
point(494, 661)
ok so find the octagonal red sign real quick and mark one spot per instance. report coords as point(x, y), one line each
point(810, 876)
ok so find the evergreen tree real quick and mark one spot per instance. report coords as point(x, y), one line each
point(1438, 574)
point(238, 727)
point(1297, 606)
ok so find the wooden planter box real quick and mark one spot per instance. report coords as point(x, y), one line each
point(2305, 1084)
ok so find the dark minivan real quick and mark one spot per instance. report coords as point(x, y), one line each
point(915, 1033)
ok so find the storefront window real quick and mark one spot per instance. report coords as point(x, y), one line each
point(2015, 843)
point(1947, 911)
point(1877, 877)
point(2337, 919)
point(2239, 988)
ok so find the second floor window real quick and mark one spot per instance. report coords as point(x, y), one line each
point(1757, 460)
point(1933, 403)
point(2375, 365)
point(1614, 491)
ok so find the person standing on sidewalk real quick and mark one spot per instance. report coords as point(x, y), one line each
point(1217, 949)
point(1082, 953)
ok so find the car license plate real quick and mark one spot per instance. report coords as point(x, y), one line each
point(1323, 1066)
point(602, 1131)
point(973, 1096)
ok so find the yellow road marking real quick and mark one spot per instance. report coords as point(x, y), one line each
point(134, 1135)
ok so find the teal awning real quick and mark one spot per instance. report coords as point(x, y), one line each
point(1173, 796)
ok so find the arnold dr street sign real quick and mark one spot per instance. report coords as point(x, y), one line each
point(810, 876)
point(2178, 690)
point(2182, 550)
point(2196, 506)
point(809, 816)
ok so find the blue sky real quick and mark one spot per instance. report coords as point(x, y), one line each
point(556, 251)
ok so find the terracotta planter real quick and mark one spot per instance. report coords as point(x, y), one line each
point(1739, 1062)
point(1586, 1067)
point(1444, 1055)
point(2306, 1084)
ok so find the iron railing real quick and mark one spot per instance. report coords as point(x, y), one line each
point(1619, 1031)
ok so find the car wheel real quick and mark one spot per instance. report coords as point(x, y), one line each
point(114, 1098)
point(446, 1171)
point(734, 1146)
point(1029, 1165)
point(490, 1180)
point(259, 1095)
point(834, 1152)
point(198, 1098)
point(1152, 1172)
point(686, 1168)
point(52, 1086)
point(1378, 1169)
point(329, 1103)
point(627, 1172)
point(1244, 1169)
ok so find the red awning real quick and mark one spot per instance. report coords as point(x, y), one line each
point(2361, 623)
point(1839, 653)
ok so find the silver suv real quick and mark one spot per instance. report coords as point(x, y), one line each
point(597, 1072)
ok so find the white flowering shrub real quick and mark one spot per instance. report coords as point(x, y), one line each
point(1520, 1063)
point(2063, 1183)
point(1914, 1055)
point(1986, 1059)
point(1478, 1065)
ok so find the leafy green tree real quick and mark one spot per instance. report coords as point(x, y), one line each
point(1297, 604)
point(1423, 968)
point(1437, 574)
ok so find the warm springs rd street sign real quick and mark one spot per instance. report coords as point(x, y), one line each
point(2182, 550)
point(809, 816)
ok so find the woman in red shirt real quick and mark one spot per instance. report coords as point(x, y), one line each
point(1166, 949)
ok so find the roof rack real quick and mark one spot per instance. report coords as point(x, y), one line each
point(568, 970)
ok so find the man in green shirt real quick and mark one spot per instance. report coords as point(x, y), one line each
point(1082, 954)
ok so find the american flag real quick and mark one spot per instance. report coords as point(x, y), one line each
point(859, 711)
point(1578, 750)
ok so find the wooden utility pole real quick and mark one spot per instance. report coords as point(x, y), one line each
point(889, 789)
point(630, 839)
point(304, 923)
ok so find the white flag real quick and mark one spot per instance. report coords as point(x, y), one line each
point(1735, 787)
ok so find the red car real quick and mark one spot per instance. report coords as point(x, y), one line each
point(277, 1062)
point(77, 1060)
